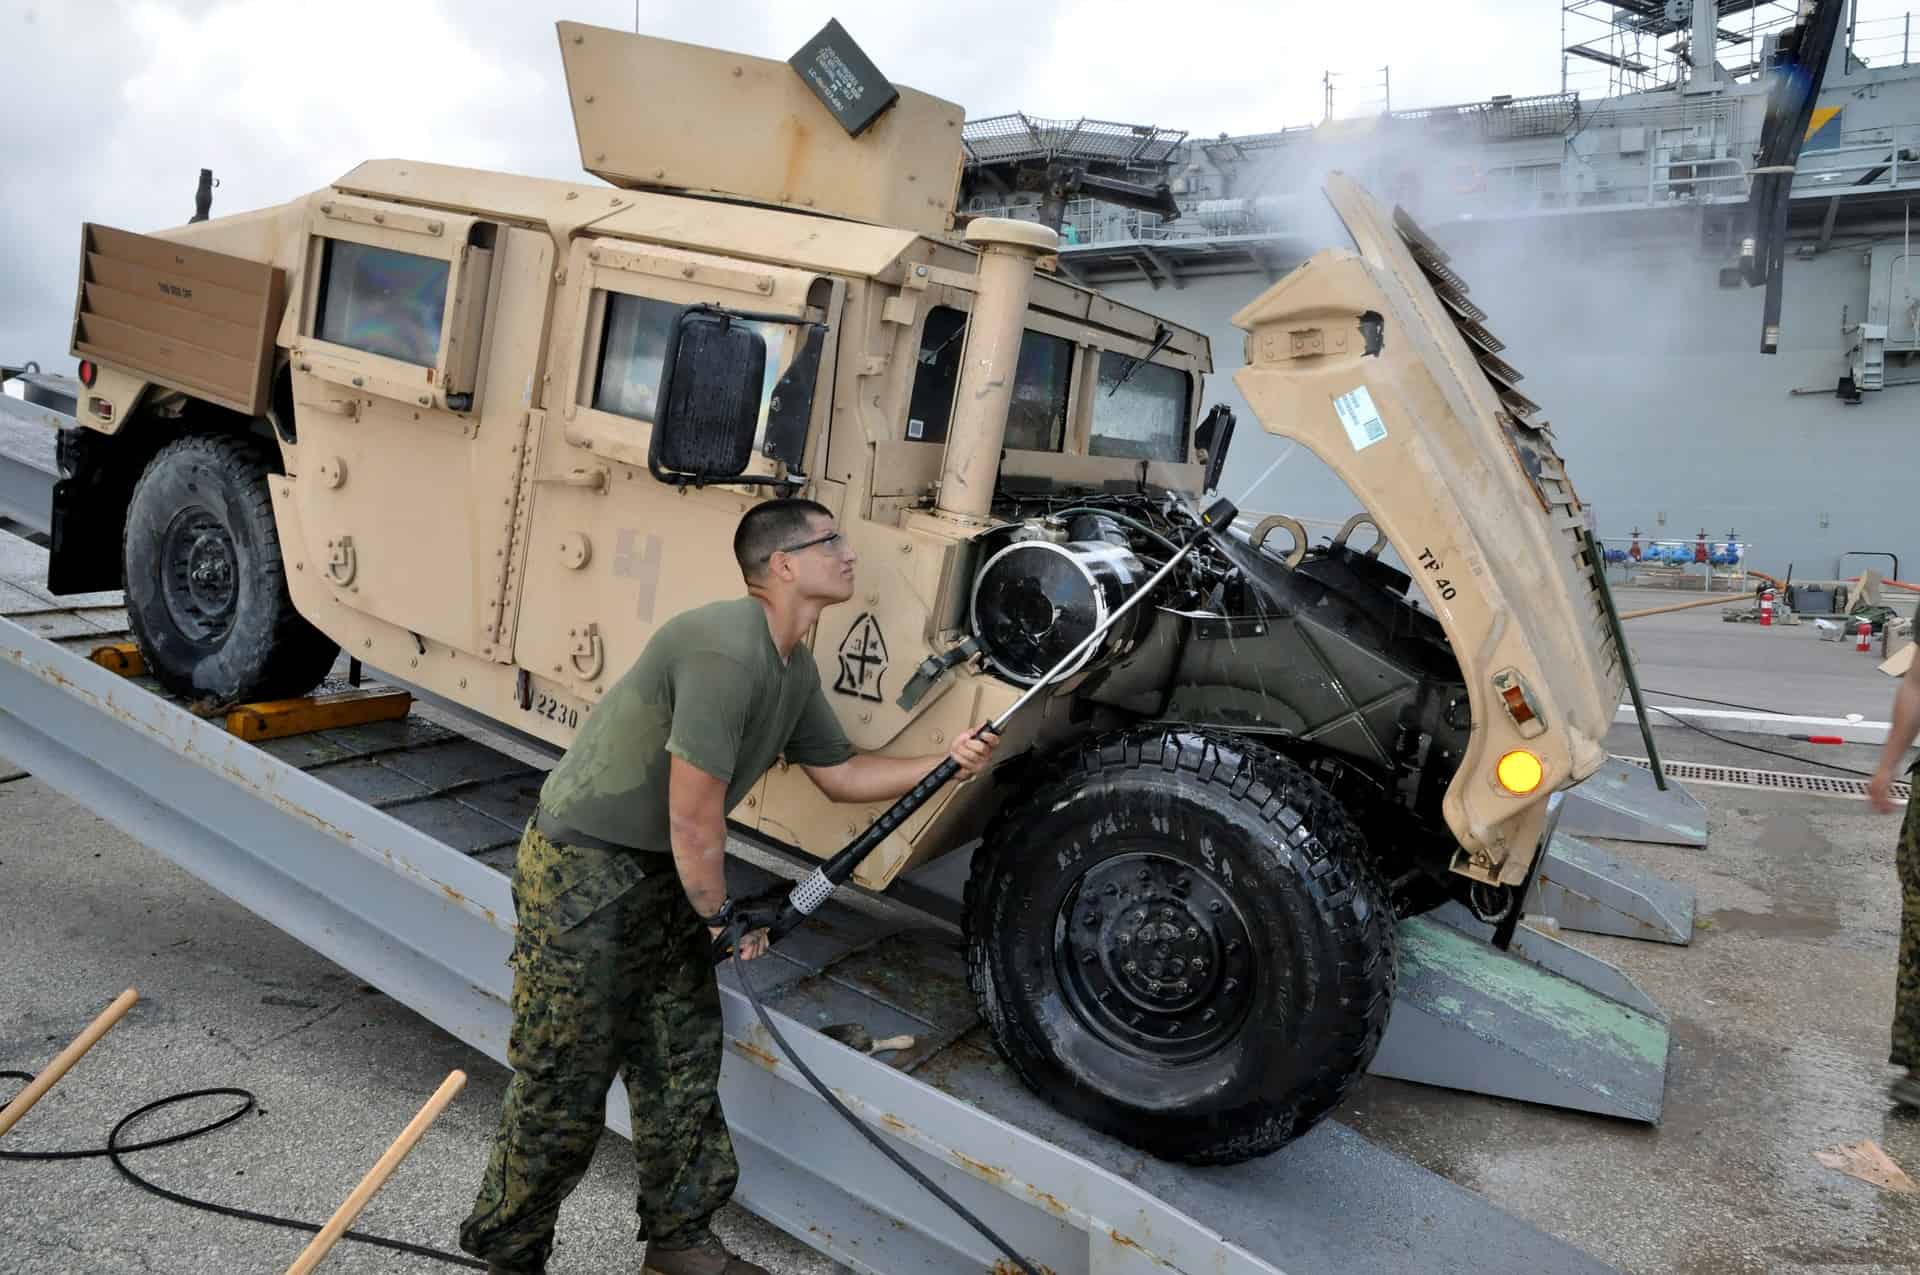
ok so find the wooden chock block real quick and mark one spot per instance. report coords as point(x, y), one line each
point(277, 719)
point(123, 658)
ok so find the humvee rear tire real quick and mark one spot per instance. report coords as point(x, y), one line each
point(1175, 937)
point(206, 589)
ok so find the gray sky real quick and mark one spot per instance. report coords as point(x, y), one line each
point(108, 109)
point(111, 109)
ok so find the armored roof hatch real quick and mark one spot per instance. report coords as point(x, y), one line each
point(657, 114)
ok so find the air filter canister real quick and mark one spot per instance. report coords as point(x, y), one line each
point(1034, 602)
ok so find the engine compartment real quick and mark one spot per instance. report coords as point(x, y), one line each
point(1324, 653)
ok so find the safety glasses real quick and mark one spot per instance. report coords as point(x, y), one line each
point(833, 540)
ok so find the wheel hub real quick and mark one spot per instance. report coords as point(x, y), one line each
point(1155, 954)
point(203, 576)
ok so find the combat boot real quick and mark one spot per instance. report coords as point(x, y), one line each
point(708, 1257)
point(1906, 1090)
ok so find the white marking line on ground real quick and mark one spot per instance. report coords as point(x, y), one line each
point(1721, 719)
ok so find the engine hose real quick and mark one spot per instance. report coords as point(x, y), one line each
point(115, 1149)
point(833, 1100)
point(1128, 519)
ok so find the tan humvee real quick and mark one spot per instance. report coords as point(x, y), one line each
point(486, 432)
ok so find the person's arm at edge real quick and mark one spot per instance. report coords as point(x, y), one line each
point(1900, 735)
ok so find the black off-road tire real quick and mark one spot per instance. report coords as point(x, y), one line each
point(1175, 937)
point(206, 588)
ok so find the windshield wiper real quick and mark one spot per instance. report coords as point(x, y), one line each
point(1162, 334)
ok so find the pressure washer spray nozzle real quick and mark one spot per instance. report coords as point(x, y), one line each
point(1220, 514)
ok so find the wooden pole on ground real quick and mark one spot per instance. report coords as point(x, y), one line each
point(1723, 599)
point(377, 1176)
point(23, 1102)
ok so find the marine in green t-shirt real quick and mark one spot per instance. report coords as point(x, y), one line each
point(710, 689)
point(613, 955)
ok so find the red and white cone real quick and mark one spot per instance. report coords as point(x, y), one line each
point(1863, 636)
point(1766, 607)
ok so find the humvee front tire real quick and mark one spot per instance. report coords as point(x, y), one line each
point(206, 589)
point(1175, 937)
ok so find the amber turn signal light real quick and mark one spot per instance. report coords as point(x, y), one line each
point(1520, 772)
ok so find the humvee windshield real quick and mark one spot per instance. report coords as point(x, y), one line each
point(1145, 419)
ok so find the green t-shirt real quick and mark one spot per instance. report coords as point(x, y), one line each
point(710, 689)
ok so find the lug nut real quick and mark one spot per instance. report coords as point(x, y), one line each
point(1231, 984)
point(1133, 967)
point(1207, 1015)
point(1153, 985)
point(1145, 875)
point(1199, 966)
point(1178, 966)
point(1215, 908)
point(1125, 937)
point(1233, 947)
point(1192, 933)
point(1112, 889)
point(1154, 968)
point(1140, 917)
point(1093, 920)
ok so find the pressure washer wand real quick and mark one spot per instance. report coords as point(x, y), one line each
point(814, 889)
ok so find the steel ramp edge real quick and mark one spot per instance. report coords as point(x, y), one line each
point(1535, 941)
point(1587, 889)
point(1621, 802)
point(1469, 1016)
point(431, 928)
point(27, 465)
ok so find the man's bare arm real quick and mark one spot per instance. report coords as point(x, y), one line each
point(1900, 735)
point(697, 823)
point(867, 777)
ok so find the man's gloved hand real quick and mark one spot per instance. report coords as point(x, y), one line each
point(748, 927)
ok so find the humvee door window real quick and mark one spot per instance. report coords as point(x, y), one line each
point(1037, 416)
point(1146, 417)
point(383, 302)
point(633, 351)
point(941, 337)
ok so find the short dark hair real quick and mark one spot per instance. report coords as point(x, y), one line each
point(768, 526)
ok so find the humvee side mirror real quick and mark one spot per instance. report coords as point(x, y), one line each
point(709, 402)
point(711, 381)
point(1213, 436)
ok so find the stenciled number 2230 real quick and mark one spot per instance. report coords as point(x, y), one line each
point(547, 706)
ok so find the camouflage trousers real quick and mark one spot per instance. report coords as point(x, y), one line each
point(1906, 988)
point(611, 974)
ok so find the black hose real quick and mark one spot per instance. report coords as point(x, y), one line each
point(116, 1149)
point(1130, 521)
point(860, 1125)
point(1771, 752)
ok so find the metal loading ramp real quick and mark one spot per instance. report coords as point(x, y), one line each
point(1621, 801)
point(1587, 889)
point(425, 916)
point(27, 463)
